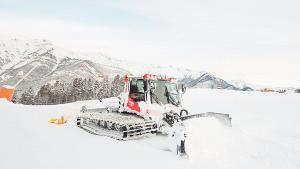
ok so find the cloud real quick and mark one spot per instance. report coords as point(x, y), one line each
point(233, 39)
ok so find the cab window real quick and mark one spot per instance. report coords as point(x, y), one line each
point(137, 92)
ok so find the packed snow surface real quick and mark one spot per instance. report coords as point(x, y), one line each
point(265, 134)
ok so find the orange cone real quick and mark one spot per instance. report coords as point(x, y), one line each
point(61, 120)
point(7, 92)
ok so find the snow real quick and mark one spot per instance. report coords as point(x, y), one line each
point(4, 77)
point(265, 134)
point(8, 87)
point(29, 141)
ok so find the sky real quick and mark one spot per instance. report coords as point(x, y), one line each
point(257, 41)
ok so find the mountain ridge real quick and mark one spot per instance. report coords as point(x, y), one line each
point(52, 63)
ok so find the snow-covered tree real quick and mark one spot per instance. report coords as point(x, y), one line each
point(80, 89)
point(117, 86)
point(43, 95)
point(105, 87)
point(59, 93)
point(90, 89)
point(96, 87)
point(28, 97)
point(14, 99)
point(77, 89)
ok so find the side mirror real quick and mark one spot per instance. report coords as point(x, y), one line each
point(183, 88)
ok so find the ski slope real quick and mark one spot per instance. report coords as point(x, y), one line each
point(265, 134)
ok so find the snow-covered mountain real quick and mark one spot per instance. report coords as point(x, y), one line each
point(48, 63)
point(206, 80)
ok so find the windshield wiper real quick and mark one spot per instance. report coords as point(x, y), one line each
point(173, 100)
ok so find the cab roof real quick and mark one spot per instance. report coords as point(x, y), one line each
point(154, 77)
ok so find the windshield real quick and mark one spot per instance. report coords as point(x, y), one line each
point(165, 93)
point(172, 93)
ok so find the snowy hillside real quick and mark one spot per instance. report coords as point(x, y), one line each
point(15, 53)
point(46, 64)
point(51, 63)
point(265, 134)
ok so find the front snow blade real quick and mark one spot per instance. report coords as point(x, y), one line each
point(225, 119)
